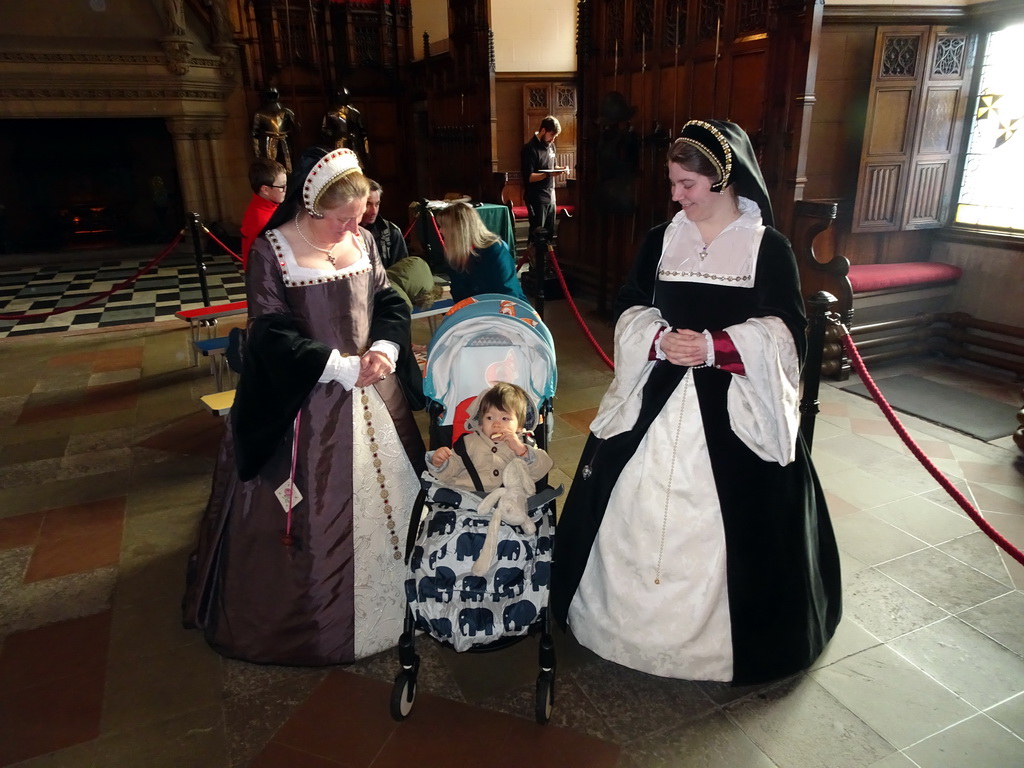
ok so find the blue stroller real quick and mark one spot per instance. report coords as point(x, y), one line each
point(482, 340)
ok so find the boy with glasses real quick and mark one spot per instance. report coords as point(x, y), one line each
point(268, 181)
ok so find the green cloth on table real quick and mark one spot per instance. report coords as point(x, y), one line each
point(498, 219)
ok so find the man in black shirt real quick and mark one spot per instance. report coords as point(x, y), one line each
point(539, 171)
point(390, 243)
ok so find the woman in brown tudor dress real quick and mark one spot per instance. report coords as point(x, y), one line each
point(299, 558)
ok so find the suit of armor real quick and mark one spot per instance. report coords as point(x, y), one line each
point(270, 128)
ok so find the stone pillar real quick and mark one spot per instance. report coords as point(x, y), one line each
point(197, 158)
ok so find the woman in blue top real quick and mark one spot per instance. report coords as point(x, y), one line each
point(477, 260)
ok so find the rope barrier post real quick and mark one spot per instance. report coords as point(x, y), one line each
point(432, 248)
point(197, 246)
point(820, 304)
point(541, 246)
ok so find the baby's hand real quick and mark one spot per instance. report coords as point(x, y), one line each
point(440, 456)
point(511, 439)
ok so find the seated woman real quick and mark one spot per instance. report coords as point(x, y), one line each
point(299, 557)
point(477, 260)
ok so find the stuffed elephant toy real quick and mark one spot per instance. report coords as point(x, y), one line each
point(510, 505)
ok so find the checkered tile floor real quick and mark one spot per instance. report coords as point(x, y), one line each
point(167, 288)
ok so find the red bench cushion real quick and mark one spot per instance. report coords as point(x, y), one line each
point(880, 277)
point(519, 211)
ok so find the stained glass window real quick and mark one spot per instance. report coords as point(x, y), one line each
point(991, 192)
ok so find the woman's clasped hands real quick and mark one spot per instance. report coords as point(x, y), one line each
point(373, 366)
point(681, 346)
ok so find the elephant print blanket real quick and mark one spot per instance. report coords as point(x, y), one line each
point(448, 600)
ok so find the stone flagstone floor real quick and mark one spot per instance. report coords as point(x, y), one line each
point(105, 464)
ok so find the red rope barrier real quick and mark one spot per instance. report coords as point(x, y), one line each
point(229, 252)
point(105, 294)
point(415, 218)
point(953, 491)
point(433, 220)
point(575, 311)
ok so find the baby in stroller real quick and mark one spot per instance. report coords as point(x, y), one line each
point(453, 562)
point(481, 458)
point(498, 420)
point(477, 582)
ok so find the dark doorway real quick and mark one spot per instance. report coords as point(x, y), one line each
point(80, 184)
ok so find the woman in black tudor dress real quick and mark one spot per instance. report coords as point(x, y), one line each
point(695, 542)
point(299, 557)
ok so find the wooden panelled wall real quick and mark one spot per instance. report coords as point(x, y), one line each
point(309, 49)
point(846, 70)
point(431, 123)
point(646, 68)
point(454, 107)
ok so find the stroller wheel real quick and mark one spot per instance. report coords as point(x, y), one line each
point(545, 696)
point(403, 695)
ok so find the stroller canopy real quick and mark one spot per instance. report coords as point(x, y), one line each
point(485, 339)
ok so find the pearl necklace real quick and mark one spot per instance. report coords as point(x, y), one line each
point(328, 252)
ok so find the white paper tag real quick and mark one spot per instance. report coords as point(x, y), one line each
point(288, 488)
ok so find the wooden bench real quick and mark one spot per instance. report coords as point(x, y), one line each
point(885, 296)
point(206, 318)
point(906, 287)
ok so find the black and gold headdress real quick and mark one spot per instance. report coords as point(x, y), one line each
point(727, 147)
point(713, 144)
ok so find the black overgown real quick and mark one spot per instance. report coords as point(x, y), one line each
point(782, 562)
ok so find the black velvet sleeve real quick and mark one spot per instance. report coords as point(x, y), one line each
point(777, 282)
point(391, 317)
point(280, 367)
point(639, 287)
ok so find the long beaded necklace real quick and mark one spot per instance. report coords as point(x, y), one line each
point(328, 252)
point(671, 472)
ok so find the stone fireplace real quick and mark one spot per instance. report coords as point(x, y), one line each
point(86, 183)
point(114, 122)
